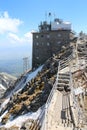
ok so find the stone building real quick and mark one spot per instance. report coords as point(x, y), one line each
point(48, 40)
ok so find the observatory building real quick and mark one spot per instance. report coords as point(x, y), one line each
point(49, 39)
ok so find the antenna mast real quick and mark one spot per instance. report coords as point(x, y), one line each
point(25, 64)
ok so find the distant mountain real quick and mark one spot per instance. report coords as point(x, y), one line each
point(13, 66)
point(6, 80)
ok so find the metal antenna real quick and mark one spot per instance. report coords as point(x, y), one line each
point(50, 16)
point(25, 64)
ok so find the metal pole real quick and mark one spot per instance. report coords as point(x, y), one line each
point(46, 116)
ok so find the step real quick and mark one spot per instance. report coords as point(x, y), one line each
point(60, 88)
point(63, 79)
point(64, 74)
point(63, 65)
point(63, 84)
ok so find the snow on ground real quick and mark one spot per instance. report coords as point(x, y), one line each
point(78, 90)
point(3, 115)
point(19, 120)
point(29, 76)
point(33, 74)
point(21, 85)
point(1, 86)
point(4, 103)
point(18, 87)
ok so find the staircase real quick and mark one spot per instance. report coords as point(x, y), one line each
point(63, 82)
point(62, 115)
point(64, 86)
point(65, 62)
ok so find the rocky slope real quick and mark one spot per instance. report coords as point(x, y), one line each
point(33, 95)
point(35, 92)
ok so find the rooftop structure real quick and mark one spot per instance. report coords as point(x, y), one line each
point(57, 24)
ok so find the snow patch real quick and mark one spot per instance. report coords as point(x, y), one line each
point(33, 74)
point(19, 120)
point(2, 87)
point(4, 103)
point(78, 91)
point(3, 115)
point(28, 77)
point(21, 85)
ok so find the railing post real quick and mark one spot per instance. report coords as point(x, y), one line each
point(49, 100)
point(46, 117)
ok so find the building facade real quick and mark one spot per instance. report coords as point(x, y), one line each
point(48, 41)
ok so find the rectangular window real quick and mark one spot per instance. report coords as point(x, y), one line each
point(37, 36)
point(48, 43)
point(37, 43)
point(48, 36)
point(37, 57)
point(42, 35)
point(59, 42)
point(59, 35)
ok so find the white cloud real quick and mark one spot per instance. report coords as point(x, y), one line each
point(26, 38)
point(14, 38)
point(9, 28)
point(8, 24)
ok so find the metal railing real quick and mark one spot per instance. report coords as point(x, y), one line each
point(45, 120)
point(44, 124)
point(43, 116)
point(40, 122)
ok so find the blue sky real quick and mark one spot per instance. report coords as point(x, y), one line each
point(19, 17)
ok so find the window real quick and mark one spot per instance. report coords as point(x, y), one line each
point(48, 43)
point(37, 43)
point(59, 42)
point(37, 57)
point(59, 35)
point(47, 28)
point(42, 35)
point(48, 36)
point(37, 36)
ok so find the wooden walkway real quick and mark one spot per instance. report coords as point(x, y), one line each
point(58, 117)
